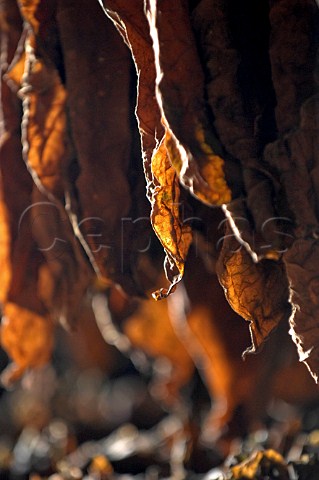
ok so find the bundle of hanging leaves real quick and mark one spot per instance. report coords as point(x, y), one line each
point(184, 113)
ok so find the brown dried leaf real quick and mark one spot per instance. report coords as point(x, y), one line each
point(233, 44)
point(19, 254)
point(44, 126)
point(166, 153)
point(295, 155)
point(27, 332)
point(65, 276)
point(24, 296)
point(301, 263)
point(33, 73)
point(256, 291)
point(175, 237)
point(98, 85)
point(180, 94)
point(162, 184)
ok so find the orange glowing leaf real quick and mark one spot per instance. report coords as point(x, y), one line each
point(44, 122)
point(180, 94)
point(175, 236)
point(256, 291)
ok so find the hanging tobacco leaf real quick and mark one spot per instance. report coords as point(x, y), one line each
point(258, 292)
point(295, 157)
point(162, 185)
point(241, 98)
point(298, 156)
point(44, 125)
point(64, 278)
point(66, 274)
point(180, 94)
point(37, 282)
point(26, 330)
point(98, 85)
point(175, 237)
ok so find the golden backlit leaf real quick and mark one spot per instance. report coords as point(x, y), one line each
point(25, 296)
point(256, 291)
point(44, 126)
point(175, 236)
point(162, 183)
point(20, 258)
point(180, 95)
point(207, 182)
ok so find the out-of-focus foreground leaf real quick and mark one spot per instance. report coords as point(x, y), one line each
point(260, 465)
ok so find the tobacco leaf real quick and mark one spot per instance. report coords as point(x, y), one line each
point(44, 127)
point(162, 187)
point(44, 122)
point(63, 279)
point(175, 237)
point(297, 155)
point(41, 16)
point(302, 268)
point(66, 274)
point(296, 158)
point(23, 309)
point(256, 291)
point(193, 149)
point(232, 42)
point(295, 81)
point(280, 181)
point(36, 279)
point(52, 140)
point(130, 20)
point(98, 85)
